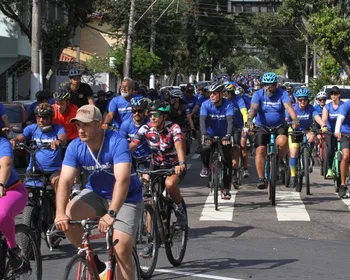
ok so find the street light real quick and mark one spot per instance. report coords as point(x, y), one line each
point(217, 9)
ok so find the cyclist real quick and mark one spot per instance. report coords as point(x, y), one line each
point(343, 127)
point(306, 113)
point(102, 102)
point(290, 90)
point(42, 96)
point(48, 161)
point(165, 141)
point(109, 96)
point(13, 199)
point(321, 98)
point(268, 106)
point(113, 191)
point(216, 119)
point(329, 116)
point(153, 94)
point(119, 109)
point(240, 117)
point(189, 97)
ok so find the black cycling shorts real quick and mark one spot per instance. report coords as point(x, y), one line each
point(237, 134)
point(261, 138)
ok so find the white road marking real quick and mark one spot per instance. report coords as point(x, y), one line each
point(290, 207)
point(346, 201)
point(195, 156)
point(189, 165)
point(225, 211)
point(206, 276)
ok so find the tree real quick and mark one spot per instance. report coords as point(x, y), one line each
point(56, 34)
point(95, 66)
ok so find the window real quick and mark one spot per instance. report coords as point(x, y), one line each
point(247, 9)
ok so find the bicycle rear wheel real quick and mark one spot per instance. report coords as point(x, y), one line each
point(148, 237)
point(306, 170)
point(273, 178)
point(215, 181)
point(300, 171)
point(79, 268)
point(32, 268)
point(175, 247)
point(136, 262)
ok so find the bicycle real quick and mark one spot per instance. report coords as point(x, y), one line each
point(40, 210)
point(32, 265)
point(238, 171)
point(320, 154)
point(82, 265)
point(157, 225)
point(304, 161)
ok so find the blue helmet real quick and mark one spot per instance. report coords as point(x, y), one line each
point(302, 92)
point(269, 78)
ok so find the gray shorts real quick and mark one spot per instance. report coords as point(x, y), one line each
point(128, 217)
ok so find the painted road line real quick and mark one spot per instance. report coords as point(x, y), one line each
point(196, 156)
point(189, 165)
point(191, 274)
point(290, 207)
point(225, 211)
point(346, 201)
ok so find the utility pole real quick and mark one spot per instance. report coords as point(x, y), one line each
point(307, 64)
point(315, 62)
point(152, 83)
point(130, 40)
point(35, 84)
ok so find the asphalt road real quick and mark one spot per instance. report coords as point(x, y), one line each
point(303, 237)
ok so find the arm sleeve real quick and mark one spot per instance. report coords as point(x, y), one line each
point(229, 120)
point(202, 124)
point(338, 124)
point(244, 113)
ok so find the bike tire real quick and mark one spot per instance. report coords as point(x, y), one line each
point(306, 170)
point(299, 183)
point(31, 218)
point(336, 171)
point(136, 262)
point(147, 267)
point(324, 167)
point(216, 183)
point(273, 179)
point(188, 143)
point(24, 234)
point(173, 232)
point(80, 260)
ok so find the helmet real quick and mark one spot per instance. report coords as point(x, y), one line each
point(190, 88)
point(42, 95)
point(229, 87)
point(302, 92)
point(109, 93)
point(140, 101)
point(321, 95)
point(159, 105)
point(62, 94)
point(44, 110)
point(216, 87)
point(176, 93)
point(269, 78)
point(206, 89)
point(101, 93)
point(239, 91)
point(142, 91)
point(153, 92)
point(74, 72)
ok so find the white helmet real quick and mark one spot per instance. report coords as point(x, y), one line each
point(321, 95)
point(239, 91)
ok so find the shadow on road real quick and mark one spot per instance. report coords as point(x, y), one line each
point(236, 231)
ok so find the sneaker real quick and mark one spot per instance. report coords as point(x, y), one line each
point(292, 182)
point(181, 215)
point(101, 266)
point(204, 172)
point(15, 259)
point(329, 174)
point(261, 184)
point(225, 194)
point(246, 173)
point(147, 251)
point(342, 191)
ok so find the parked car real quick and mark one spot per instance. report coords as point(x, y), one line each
point(344, 92)
point(17, 115)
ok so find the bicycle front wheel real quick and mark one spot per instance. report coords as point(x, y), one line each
point(175, 247)
point(273, 179)
point(306, 170)
point(79, 268)
point(32, 267)
point(215, 174)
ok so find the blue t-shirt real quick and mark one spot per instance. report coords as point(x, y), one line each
point(48, 160)
point(128, 130)
point(121, 108)
point(332, 115)
point(6, 151)
point(101, 178)
point(318, 109)
point(305, 116)
point(216, 121)
point(201, 99)
point(344, 110)
point(247, 100)
point(238, 105)
point(2, 112)
point(190, 102)
point(271, 111)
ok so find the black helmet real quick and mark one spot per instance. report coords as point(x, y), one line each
point(44, 110)
point(140, 102)
point(159, 105)
point(42, 95)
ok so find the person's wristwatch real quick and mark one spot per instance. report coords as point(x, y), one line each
point(112, 213)
point(183, 162)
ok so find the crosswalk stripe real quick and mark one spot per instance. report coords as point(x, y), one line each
point(290, 207)
point(225, 211)
point(189, 165)
point(196, 156)
point(346, 202)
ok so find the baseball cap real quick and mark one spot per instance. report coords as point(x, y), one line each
point(87, 113)
point(335, 89)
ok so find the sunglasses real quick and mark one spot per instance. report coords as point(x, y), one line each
point(303, 99)
point(334, 93)
point(269, 85)
point(140, 111)
point(155, 115)
point(322, 100)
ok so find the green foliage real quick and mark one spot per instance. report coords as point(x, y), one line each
point(97, 65)
point(329, 67)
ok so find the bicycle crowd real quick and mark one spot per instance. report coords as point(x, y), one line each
point(118, 161)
